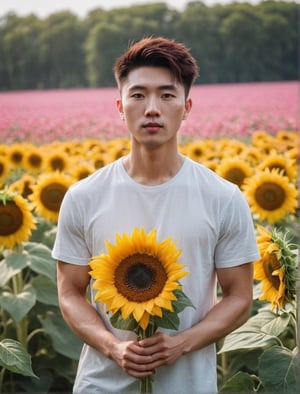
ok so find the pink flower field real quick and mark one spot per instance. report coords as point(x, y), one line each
point(233, 110)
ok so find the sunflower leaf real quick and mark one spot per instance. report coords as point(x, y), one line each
point(278, 370)
point(17, 261)
point(41, 260)
point(14, 357)
point(124, 324)
point(6, 272)
point(278, 325)
point(182, 301)
point(238, 383)
point(64, 341)
point(18, 305)
point(169, 320)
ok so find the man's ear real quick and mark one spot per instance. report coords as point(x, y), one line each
point(120, 107)
point(188, 107)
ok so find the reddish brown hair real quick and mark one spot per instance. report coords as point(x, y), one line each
point(158, 52)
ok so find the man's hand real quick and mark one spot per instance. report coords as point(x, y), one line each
point(140, 358)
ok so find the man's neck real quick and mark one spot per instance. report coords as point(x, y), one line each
point(152, 167)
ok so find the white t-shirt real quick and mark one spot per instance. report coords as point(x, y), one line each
point(209, 219)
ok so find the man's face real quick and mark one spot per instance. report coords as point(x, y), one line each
point(153, 104)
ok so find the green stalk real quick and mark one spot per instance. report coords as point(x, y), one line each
point(146, 383)
point(1, 378)
point(21, 327)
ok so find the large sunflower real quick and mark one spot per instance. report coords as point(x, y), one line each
point(270, 195)
point(138, 276)
point(48, 193)
point(276, 267)
point(16, 219)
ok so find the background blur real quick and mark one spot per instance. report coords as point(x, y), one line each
point(63, 44)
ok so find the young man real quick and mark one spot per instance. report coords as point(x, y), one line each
point(156, 187)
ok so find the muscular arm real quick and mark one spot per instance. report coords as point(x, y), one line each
point(72, 281)
point(228, 314)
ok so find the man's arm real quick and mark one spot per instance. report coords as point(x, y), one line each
point(231, 311)
point(72, 281)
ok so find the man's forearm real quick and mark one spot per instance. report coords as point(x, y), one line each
point(230, 313)
point(86, 323)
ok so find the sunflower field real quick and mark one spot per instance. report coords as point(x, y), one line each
point(38, 352)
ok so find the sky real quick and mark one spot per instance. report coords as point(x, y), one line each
point(43, 8)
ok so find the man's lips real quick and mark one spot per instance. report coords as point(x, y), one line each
point(152, 126)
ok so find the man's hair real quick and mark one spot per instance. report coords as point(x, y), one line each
point(158, 52)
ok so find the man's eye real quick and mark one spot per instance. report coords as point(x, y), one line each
point(137, 95)
point(167, 95)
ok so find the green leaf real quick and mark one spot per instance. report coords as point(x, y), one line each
point(14, 357)
point(169, 320)
point(41, 260)
point(18, 305)
point(241, 382)
point(245, 340)
point(250, 335)
point(6, 273)
point(278, 370)
point(46, 290)
point(182, 301)
point(44, 233)
point(43, 382)
point(17, 261)
point(63, 339)
point(124, 324)
point(278, 325)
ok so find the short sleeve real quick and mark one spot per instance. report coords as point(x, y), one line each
point(237, 242)
point(70, 245)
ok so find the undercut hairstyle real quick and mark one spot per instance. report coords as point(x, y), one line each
point(158, 52)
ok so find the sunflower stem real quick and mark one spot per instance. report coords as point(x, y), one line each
point(21, 327)
point(2, 371)
point(146, 383)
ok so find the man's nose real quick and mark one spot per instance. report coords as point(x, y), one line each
point(152, 107)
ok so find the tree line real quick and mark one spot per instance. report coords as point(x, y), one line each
point(237, 42)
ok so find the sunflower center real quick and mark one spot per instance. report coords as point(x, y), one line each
point(35, 160)
point(52, 195)
point(57, 163)
point(235, 175)
point(11, 218)
point(16, 157)
point(1, 169)
point(198, 152)
point(270, 196)
point(270, 264)
point(140, 277)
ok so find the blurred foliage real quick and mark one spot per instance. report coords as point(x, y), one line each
point(237, 42)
